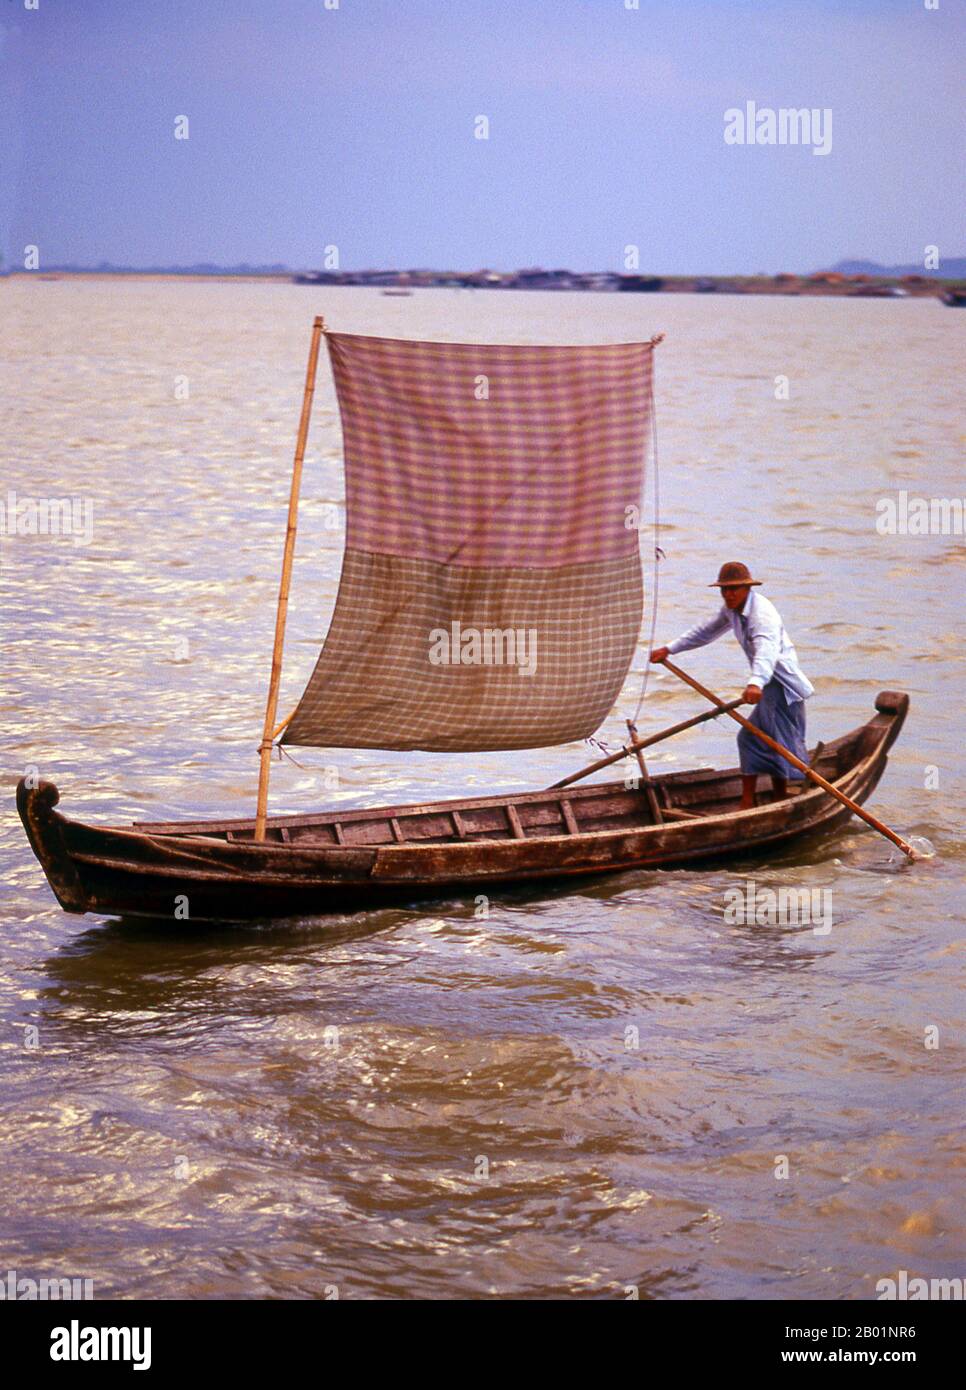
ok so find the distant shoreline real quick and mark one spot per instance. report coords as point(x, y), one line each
point(823, 283)
point(215, 276)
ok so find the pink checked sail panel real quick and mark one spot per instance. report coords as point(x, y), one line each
point(491, 592)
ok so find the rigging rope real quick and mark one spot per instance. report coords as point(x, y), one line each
point(658, 552)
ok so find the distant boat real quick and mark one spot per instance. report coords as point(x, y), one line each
point(397, 293)
point(955, 299)
point(880, 292)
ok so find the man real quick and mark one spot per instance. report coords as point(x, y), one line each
point(777, 685)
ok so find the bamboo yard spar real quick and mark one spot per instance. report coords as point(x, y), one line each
point(491, 591)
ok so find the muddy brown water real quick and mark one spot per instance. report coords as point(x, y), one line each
point(590, 1090)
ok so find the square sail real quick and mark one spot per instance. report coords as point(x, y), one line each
point(491, 592)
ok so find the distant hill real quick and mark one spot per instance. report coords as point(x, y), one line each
point(950, 268)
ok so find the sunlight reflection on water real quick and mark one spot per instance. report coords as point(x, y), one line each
point(287, 1106)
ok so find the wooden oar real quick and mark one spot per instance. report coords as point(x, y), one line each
point(790, 757)
point(636, 744)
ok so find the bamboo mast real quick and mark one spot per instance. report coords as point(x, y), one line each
point(271, 707)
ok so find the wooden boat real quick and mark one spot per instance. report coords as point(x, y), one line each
point(454, 567)
point(343, 860)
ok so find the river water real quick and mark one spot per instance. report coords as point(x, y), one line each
point(592, 1090)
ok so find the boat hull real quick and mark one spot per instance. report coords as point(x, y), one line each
point(351, 860)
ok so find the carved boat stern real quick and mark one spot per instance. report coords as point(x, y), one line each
point(44, 831)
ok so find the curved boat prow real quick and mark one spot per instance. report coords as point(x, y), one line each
point(894, 703)
point(42, 824)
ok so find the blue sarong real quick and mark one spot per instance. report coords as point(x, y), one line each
point(784, 719)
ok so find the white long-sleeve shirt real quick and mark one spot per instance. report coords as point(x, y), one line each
point(762, 636)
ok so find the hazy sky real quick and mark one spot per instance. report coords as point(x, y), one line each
point(354, 126)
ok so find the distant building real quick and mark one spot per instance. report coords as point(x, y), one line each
point(482, 279)
point(597, 280)
point(538, 279)
point(640, 284)
point(319, 277)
